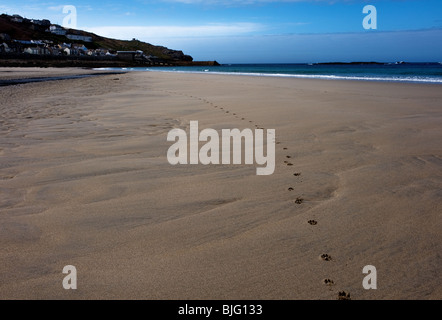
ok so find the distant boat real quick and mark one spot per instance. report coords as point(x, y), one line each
point(400, 62)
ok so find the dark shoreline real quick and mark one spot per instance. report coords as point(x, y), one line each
point(47, 61)
point(13, 82)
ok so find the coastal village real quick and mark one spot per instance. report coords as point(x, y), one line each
point(48, 47)
point(57, 42)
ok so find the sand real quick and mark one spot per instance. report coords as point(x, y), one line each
point(84, 181)
point(36, 72)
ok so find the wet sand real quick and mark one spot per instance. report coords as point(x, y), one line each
point(84, 181)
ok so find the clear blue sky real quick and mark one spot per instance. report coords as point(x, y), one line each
point(261, 31)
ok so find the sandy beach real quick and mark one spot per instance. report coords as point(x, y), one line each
point(85, 181)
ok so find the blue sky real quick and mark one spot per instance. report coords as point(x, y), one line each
point(261, 31)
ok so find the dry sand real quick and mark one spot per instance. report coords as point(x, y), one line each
point(84, 181)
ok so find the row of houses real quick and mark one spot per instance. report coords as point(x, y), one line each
point(20, 19)
point(76, 48)
point(56, 29)
point(47, 47)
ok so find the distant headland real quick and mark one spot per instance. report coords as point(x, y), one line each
point(350, 63)
point(39, 43)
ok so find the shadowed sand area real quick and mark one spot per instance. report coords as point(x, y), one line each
point(84, 181)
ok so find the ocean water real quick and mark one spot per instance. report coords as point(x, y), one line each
point(393, 72)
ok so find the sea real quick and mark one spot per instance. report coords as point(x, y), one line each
point(429, 72)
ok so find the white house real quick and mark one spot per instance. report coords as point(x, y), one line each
point(57, 30)
point(80, 38)
point(17, 18)
point(31, 50)
point(4, 48)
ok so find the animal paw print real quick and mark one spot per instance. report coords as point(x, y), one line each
point(342, 295)
point(329, 282)
point(326, 257)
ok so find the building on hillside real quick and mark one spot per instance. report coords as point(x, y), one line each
point(37, 22)
point(44, 22)
point(130, 55)
point(4, 48)
point(5, 37)
point(55, 51)
point(17, 18)
point(56, 29)
point(31, 50)
point(79, 37)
